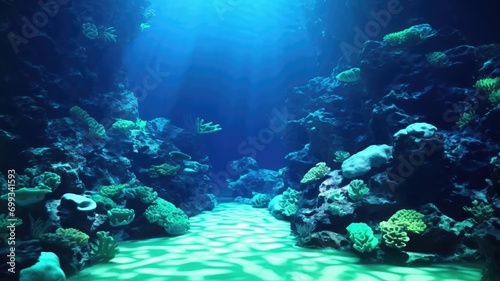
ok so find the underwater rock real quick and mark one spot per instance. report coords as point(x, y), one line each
point(111, 168)
point(70, 180)
point(301, 159)
point(362, 162)
point(183, 139)
point(192, 191)
point(199, 204)
point(70, 216)
point(259, 181)
point(275, 208)
point(443, 237)
point(26, 255)
point(417, 170)
point(295, 135)
point(243, 165)
point(29, 117)
point(328, 239)
point(487, 235)
point(122, 105)
point(47, 268)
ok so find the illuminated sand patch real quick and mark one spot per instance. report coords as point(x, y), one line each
point(237, 242)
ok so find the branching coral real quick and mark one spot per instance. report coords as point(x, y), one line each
point(104, 248)
point(203, 127)
point(480, 210)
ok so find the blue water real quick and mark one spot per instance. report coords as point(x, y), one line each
point(231, 66)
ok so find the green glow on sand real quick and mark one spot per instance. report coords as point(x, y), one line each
point(237, 242)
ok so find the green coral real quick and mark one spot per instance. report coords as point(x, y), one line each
point(120, 216)
point(315, 173)
point(465, 119)
point(410, 220)
point(104, 203)
point(350, 75)
point(42, 184)
point(141, 124)
point(144, 193)
point(260, 200)
point(396, 227)
point(408, 37)
point(123, 125)
point(394, 235)
point(166, 169)
point(112, 191)
point(109, 34)
point(90, 30)
point(26, 196)
point(334, 194)
point(340, 156)
point(480, 210)
point(66, 237)
point(96, 130)
point(47, 180)
point(203, 127)
point(494, 96)
point(104, 248)
point(437, 59)
point(289, 201)
point(166, 215)
point(488, 85)
point(362, 237)
point(357, 190)
point(337, 210)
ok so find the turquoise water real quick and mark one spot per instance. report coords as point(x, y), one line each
point(237, 242)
